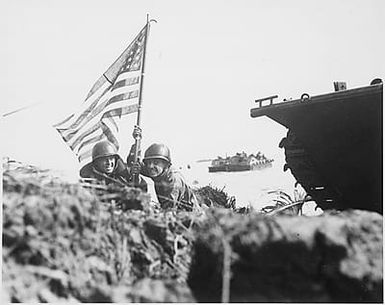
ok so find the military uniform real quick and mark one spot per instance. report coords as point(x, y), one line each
point(170, 186)
point(173, 192)
point(120, 176)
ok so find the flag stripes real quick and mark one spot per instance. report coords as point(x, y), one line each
point(98, 112)
point(115, 93)
point(126, 82)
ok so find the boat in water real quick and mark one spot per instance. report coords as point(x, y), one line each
point(334, 144)
point(240, 162)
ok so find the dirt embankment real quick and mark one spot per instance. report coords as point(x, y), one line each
point(62, 242)
point(336, 257)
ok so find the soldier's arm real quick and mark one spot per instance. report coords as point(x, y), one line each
point(177, 191)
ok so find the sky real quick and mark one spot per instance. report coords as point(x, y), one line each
point(206, 64)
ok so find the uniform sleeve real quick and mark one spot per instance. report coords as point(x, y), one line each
point(177, 190)
point(166, 192)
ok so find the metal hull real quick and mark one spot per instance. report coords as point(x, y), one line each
point(341, 133)
point(213, 169)
point(239, 167)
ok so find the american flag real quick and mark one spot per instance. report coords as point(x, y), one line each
point(115, 93)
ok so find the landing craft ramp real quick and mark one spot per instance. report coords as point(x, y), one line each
point(334, 145)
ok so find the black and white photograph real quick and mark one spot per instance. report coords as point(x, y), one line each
point(165, 151)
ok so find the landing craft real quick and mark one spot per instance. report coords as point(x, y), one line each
point(240, 162)
point(333, 145)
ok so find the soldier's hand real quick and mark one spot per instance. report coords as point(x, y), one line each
point(135, 168)
point(137, 133)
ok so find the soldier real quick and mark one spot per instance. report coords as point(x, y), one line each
point(170, 187)
point(108, 166)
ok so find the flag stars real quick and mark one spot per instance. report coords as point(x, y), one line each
point(98, 129)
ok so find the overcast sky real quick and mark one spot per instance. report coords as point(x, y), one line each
point(206, 63)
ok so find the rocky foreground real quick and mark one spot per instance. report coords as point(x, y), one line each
point(64, 242)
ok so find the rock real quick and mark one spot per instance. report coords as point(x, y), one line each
point(336, 257)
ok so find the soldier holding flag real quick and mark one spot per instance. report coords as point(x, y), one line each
point(108, 167)
point(91, 131)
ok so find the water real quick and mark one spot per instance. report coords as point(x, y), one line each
point(250, 188)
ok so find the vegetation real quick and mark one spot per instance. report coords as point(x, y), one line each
point(215, 197)
point(285, 204)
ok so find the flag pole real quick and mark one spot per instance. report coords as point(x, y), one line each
point(140, 102)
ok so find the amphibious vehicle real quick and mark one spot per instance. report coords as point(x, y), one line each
point(333, 145)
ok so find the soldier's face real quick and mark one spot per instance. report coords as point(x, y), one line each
point(105, 164)
point(155, 167)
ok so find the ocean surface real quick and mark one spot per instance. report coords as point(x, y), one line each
point(250, 188)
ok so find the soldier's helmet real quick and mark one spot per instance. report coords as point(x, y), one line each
point(157, 151)
point(103, 149)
